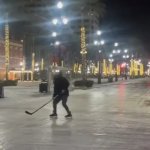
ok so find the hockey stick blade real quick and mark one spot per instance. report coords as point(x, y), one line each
point(29, 113)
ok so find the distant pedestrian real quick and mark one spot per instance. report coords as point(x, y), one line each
point(61, 93)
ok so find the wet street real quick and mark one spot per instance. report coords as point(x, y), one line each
point(107, 117)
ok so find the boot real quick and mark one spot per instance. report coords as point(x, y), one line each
point(69, 115)
point(53, 115)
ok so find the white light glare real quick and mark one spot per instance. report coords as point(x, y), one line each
point(60, 5)
point(36, 64)
point(118, 51)
point(54, 34)
point(116, 44)
point(125, 50)
point(102, 42)
point(55, 21)
point(99, 51)
point(57, 43)
point(114, 51)
point(111, 60)
point(110, 55)
point(99, 32)
point(65, 20)
point(57, 70)
point(95, 42)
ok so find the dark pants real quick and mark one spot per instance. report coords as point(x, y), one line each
point(64, 103)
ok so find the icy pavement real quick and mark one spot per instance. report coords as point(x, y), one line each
point(108, 117)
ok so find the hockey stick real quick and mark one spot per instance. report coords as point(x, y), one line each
point(31, 113)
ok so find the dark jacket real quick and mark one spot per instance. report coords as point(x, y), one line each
point(61, 85)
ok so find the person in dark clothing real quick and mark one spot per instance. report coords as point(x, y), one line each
point(61, 92)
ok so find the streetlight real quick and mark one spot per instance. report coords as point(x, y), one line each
point(99, 51)
point(102, 42)
point(118, 51)
point(95, 42)
point(111, 60)
point(65, 20)
point(114, 51)
point(60, 5)
point(55, 21)
point(36, 65)
point(54, 34)
point(98, 32)
point(57, 43)
point(126, 50)
point(99, 65)
point(111, 55)
point(126, 57)
point(116, 44)
point(21, 64)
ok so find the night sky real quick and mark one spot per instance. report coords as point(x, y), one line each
point(128, 21)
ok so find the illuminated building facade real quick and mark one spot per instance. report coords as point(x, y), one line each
point(15, 58)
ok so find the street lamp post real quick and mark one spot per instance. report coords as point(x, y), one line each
point(21, 75)
point(102, 42)
point(99, 44)
point(7, 46)
point(99, 72)
point(111, 60)
point(116, 52)
point(33, 66)
point(125, 57)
